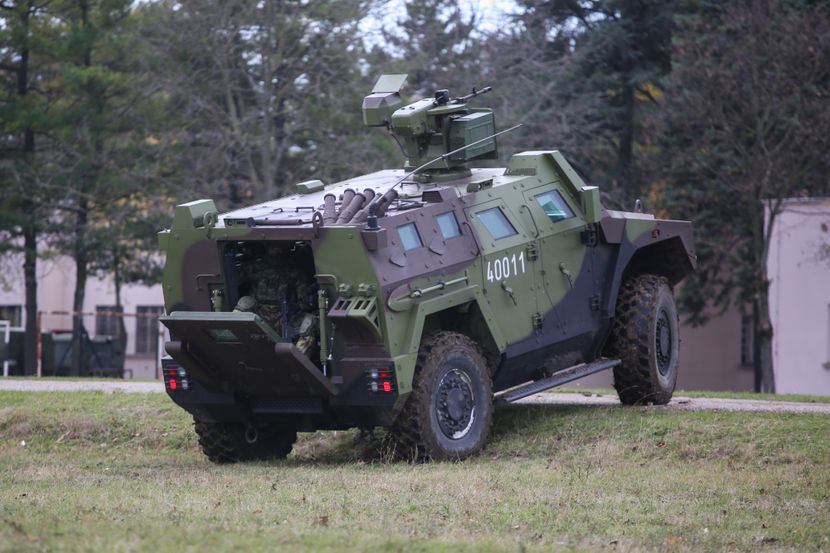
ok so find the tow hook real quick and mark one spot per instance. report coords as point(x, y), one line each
point(251, 434)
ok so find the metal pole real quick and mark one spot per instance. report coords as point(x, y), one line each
point(6, 337)
point(159, 348)
point(39, 345)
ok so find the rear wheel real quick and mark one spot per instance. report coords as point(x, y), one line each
point(449, 414)
point(231, 443)
point(645, 338)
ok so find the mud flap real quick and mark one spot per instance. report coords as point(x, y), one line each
point(242, 353)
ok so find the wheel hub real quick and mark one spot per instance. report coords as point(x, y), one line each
point(455, 404)
point(663, 343)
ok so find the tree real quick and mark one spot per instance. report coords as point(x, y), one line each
point(97, 95)
point(529, 64)
point(435, 44)
point(608, 60)
point(257, 86)
point(744, 125)
point(24, 203)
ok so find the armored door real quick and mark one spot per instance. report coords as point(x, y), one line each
point(508, 274)
point(567, 273)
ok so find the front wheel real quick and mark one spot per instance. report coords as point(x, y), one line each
point(449, 414)
point(644, 337)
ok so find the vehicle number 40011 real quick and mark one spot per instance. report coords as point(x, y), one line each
point(498, 269)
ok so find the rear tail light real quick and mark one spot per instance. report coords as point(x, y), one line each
point(381, 381)
point(175, 378)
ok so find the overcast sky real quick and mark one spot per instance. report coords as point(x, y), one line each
point(491, 14)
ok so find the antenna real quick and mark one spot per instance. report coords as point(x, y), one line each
point(448, 154)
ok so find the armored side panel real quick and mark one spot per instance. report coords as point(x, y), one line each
point(470, 129)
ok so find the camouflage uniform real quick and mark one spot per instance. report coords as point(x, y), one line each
point(273, 287)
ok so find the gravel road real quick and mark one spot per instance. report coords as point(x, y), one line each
point(678, 402)
point(686, 403)
point(48, 385)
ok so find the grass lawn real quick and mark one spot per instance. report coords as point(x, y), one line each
point(121, 472)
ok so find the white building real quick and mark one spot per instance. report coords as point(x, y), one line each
point(799, 296)
point(56, 286)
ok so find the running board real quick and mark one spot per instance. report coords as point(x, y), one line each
point(556, 379)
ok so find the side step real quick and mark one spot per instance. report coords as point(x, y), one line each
point(556, 379)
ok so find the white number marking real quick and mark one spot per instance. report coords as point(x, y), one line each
point(500, 268)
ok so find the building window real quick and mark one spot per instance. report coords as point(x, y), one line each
point(496, 223)
point(12, 313)
point(147, 329)
point(747, 341)
point(106, 322)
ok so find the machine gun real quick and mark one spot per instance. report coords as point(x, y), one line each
point(432, 128)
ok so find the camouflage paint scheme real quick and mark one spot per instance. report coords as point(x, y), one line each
point(550, 308)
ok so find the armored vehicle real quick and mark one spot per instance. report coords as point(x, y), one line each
point(416, 298)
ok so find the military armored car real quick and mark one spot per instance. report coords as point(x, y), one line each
point(416, 298)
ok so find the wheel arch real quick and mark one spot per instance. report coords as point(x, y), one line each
point(465, 311)
point(667, 258)
point(467, 319)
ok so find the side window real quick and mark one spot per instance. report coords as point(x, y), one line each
point(410, 239)
point(496, 223)
point(554, 206)
point(448, 225)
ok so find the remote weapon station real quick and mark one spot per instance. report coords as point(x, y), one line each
point(415, 299)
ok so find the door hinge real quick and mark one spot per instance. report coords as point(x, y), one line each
point(589, 235)
point(532, 252)
point(538, 321)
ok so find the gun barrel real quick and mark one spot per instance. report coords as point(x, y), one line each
point(473, 94)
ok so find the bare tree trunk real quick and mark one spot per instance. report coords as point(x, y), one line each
point(122, 327)
point(81, 273)
point(80, 253)
point(30, 279)
point(762, 234)
point(763, 336)
point(626, 144)
point(30, 226)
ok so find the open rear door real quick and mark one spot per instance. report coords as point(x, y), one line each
point(242, 353)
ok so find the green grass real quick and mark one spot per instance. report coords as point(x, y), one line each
point(803, 398)
point(121, 472)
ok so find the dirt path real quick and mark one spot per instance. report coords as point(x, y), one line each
point(686, 403)
point(47, 385)
point(679, 402)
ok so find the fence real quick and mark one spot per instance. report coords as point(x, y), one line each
point(111, 341)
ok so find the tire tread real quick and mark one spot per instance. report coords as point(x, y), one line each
point(407, 431)
point(630, 338)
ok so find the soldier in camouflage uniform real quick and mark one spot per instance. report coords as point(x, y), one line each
point(275, 288)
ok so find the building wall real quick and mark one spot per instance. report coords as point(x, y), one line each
point(800, 296)
point(56, 286)
point(710, 358)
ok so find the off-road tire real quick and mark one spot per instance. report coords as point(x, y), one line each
point(449, 413)
point(644, 337)
point(226, 443)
